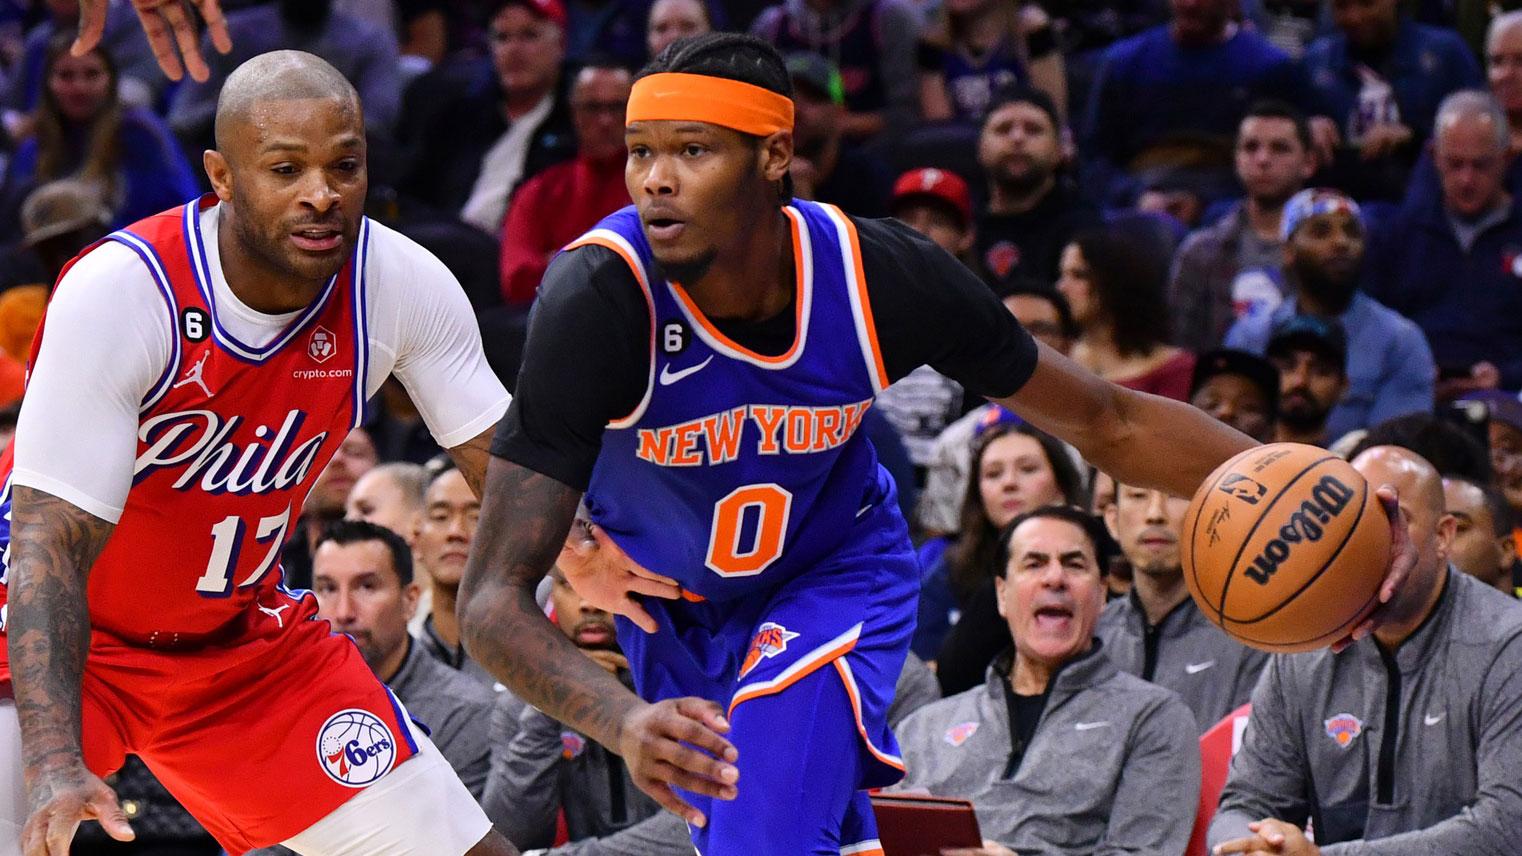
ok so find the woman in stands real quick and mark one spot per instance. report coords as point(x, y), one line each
point(1015, 468)
point(83, 131)
point(1116, 283)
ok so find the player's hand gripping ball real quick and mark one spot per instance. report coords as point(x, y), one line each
point(1286, 548)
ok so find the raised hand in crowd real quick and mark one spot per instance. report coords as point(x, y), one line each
point(171, 32)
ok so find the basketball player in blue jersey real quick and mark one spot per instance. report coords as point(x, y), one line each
point(697, 367)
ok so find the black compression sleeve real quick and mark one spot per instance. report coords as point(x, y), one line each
point(586, 362)
point(931, 310)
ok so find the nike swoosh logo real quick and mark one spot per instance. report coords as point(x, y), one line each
point(669, 377)
point(1432, 720)
point(1196, 668)
point(1089, 726)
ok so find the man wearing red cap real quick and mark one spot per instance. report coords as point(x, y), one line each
point(922, 404)
point(549, 210)
point(936, 203)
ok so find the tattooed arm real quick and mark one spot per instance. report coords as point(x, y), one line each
point(525, 517)
point(53, 545)
point(470, 458)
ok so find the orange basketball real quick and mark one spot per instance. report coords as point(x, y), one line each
point(1285, 546)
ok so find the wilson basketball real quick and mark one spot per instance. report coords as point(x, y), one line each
point(1284, 547)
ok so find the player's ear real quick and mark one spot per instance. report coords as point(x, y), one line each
point(999, 586)
point(219, 172)
point(776, 154)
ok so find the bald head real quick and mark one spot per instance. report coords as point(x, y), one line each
point(1501, 26)
point(1417, 482)
point(1430, 527)
point(274, 77)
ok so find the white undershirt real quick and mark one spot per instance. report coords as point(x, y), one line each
point(501, 167)
point(108, 340)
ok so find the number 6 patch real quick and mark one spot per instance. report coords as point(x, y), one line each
point(195, 323)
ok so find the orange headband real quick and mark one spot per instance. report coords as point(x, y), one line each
point(743, 107)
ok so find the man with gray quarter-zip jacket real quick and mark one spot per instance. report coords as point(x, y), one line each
point(1157, 632)
point(1059, 751)
point(1408, 742)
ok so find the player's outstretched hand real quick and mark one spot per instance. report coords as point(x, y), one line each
point(60, 800)
point(171, 33)
point(604, 575)
point(679, 742)
point(1402, 560)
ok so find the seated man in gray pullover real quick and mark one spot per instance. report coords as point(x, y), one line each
point(1408, 742)
point(1157, 632)
point(1060, 752)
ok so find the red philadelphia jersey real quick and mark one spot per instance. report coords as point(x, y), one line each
point(230, 440)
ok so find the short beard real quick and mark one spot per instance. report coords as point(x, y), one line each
point(1336, 294)
point(687, 272)
point(1304, 421)
point(1022, 185)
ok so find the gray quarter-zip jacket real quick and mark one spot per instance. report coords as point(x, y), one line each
point(1113, 767)
point(1213, 673)
point(542, 767)
point(1416, 752)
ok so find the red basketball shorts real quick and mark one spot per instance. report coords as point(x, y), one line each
point(259, 739)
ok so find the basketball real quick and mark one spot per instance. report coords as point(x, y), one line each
point(1284, 547)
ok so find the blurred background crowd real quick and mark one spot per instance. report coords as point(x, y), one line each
point(1298, 215)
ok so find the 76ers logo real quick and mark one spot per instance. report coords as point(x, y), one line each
point(771, 640)
point(322, 345)
point(355, 748)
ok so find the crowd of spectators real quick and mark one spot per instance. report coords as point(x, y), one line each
point(1296, 215)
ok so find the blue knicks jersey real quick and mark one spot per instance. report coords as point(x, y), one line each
point(738, 471)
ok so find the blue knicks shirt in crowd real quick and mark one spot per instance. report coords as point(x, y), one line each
point(738, 471)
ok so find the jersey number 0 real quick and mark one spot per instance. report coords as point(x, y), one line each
point(767, 508)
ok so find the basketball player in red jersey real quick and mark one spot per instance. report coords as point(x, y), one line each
point(196, 371)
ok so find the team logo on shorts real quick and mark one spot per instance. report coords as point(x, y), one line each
point(322, 345)
point(771, 640)
point(572, 745)
point(956, 735)
point(1343, 728)
point(355, 748)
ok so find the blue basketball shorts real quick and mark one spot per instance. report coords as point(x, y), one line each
point(806, 672)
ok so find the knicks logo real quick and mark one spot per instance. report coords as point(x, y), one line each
point(1002, 258)
point(355, 748)
point(956, 735)
point(771, 639)
point(1343, 727)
